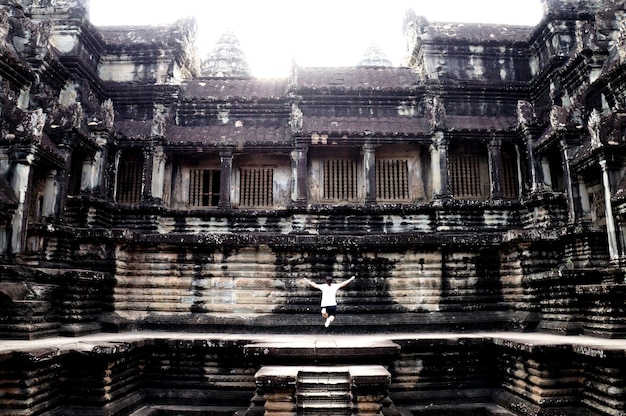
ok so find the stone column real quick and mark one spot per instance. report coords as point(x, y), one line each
point(301, 173)
point(495, 167)
point(226, 169)
point(86, 174)
point(97, 177)
point(436, 171)
point(545, 174)
point(148, 168)
point(440, 165)
point(21, 176)
point(569, 187)
point(158, 172)
point(50, 194)
point(611, 231)
point(62, 182)
point(534, 166)
point(369, 166)
point(584, 207)
point(114, 175)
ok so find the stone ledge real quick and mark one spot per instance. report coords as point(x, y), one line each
point(289, 371)
point(323, 350)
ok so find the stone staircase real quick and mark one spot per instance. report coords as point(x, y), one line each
point(320, 391)
point(323, 392)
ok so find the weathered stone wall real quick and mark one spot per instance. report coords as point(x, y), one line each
point(219, 285)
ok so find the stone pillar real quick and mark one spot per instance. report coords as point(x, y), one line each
point(62, 182)
point(569, 186)
point(148, 168)
point(86, 174)
point(226, 158)
point(97, 177)
point(369, 165)
point(301, 173)
point(158, 172)
point(611, 231)
point(434, 167)
point(440, 165)
point(545, 174)
point(534, 166)
point(50, 194)
point(114, 175)
point(584, 207)
point(495, 167)
point(22, 171)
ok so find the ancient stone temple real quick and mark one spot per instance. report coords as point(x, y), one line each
point(159, 211)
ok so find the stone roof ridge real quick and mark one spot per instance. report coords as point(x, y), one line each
point(418, 27)
point(479, 32)
point(235, 87)
point(135, 35)
point(227, 59)
point(357, 77)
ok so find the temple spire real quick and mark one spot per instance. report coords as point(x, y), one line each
point(227, 59)
point(374, 56)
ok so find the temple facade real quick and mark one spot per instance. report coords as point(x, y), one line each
point(478, 189)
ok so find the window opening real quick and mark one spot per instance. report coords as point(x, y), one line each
point(392, 180)
point(340, 180)
point(129, 180)
point(257, 187)
point(204, 188)
point(465, 176)
point(510, 186)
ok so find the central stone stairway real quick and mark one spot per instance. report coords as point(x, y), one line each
point(323, 392)
point(320, 390)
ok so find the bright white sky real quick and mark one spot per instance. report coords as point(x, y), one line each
point(272, 33)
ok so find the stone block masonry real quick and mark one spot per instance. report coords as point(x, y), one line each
point(477, 193)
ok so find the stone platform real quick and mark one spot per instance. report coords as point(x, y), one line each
point(160, 373)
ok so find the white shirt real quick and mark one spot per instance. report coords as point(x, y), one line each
point(329, 293)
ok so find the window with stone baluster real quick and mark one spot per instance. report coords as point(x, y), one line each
point(256, 187)
point(392, 180)
point(469, 171)
point(510, 176)
point(340, 180)
point(129, 178)
point(204, 187)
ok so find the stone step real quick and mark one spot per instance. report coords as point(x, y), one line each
point(318, 402)
point(323, 391)
point(323, 377)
